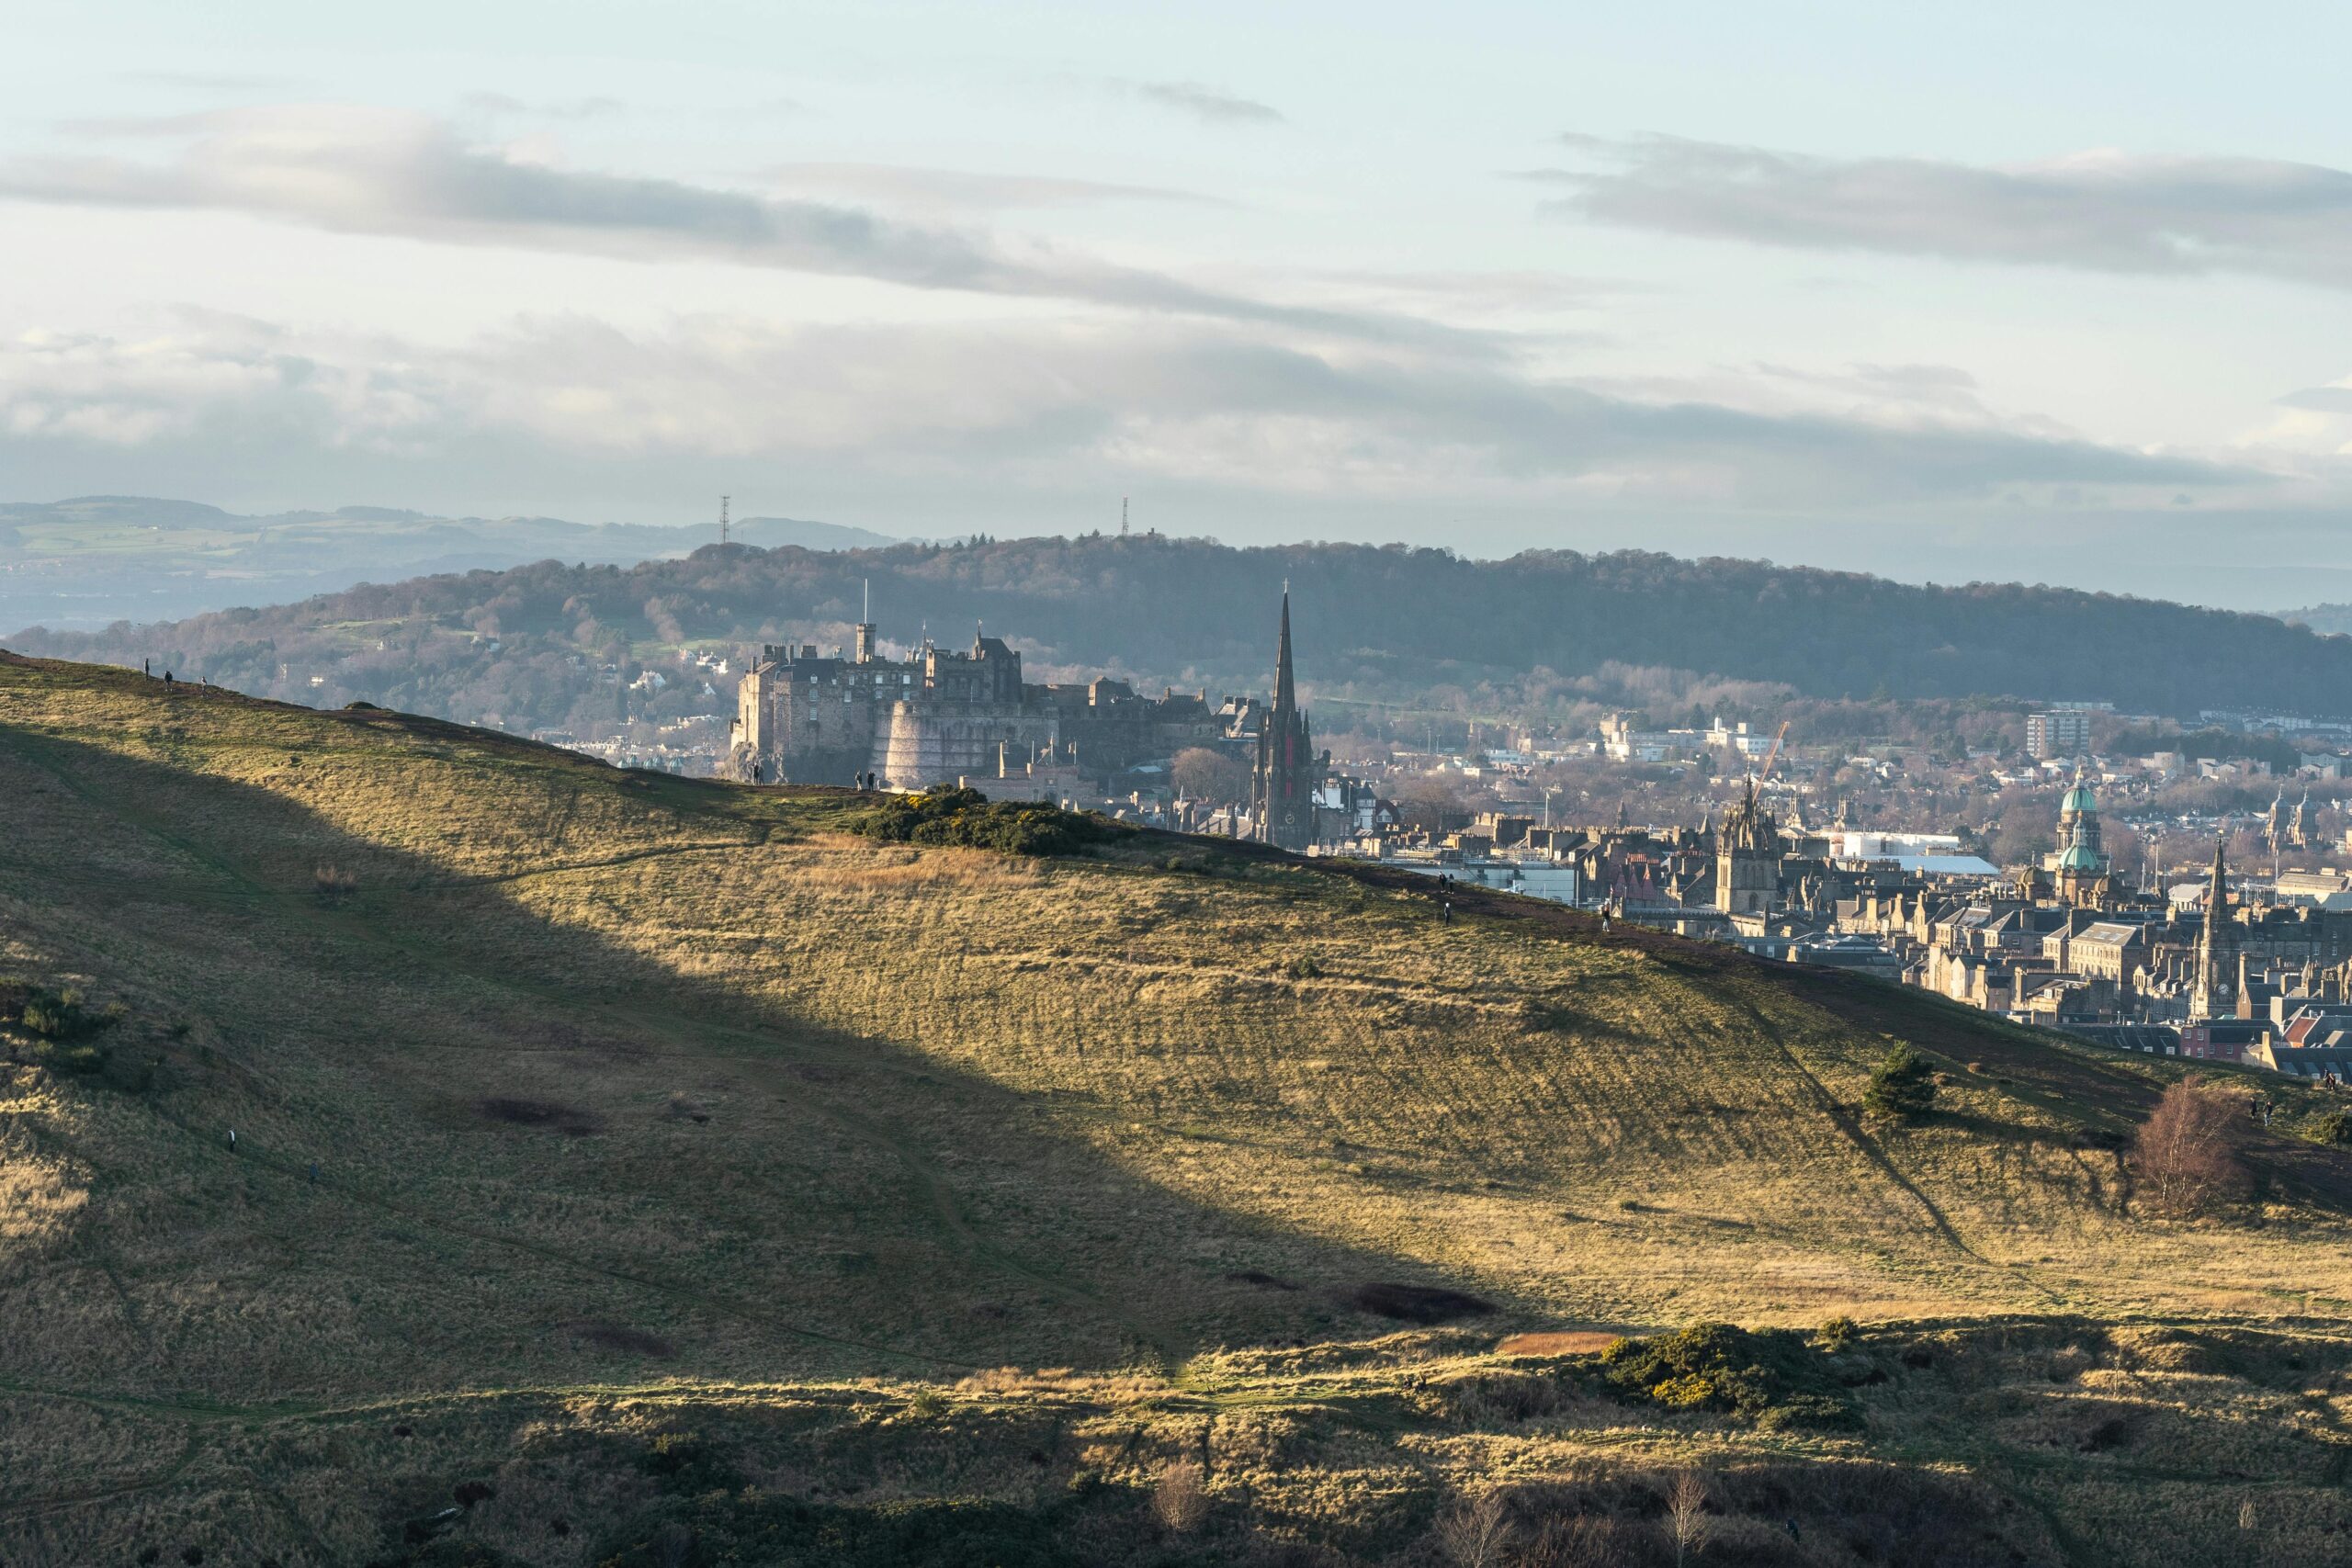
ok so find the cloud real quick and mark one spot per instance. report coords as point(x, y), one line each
point(1007, 409)
point(2103, 211)
point(390, 172)
point(1207, 104)
point(2320, 400)
point(957, 190)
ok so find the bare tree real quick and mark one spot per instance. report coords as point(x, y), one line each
point(1204, 773)
point(1586, 1540)
point(1686, 1514)
point(1475, 1531)
point(2186, 1152)
point(1180, 1500)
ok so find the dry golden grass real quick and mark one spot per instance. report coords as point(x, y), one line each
point(948, 1112)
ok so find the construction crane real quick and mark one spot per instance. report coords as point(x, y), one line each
point(1773, 755)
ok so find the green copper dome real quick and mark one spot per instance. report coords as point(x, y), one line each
point(2079, 799)
point(2080, 857)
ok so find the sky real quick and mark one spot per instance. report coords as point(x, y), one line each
point(2002, 292)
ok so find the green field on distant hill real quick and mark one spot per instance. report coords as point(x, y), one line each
point(710, 1182)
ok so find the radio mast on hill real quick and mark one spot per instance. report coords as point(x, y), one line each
point(722, 518)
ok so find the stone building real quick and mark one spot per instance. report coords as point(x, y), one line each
point(940, 715)
point(1748, 849)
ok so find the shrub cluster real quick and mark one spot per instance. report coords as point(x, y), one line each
point(967, 817)
point(1903, 1086)
point(57, 1015)
point(2330, 1127)
point(1771, 1378)
point(64, 1029)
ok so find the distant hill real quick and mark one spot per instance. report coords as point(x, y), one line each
point(2329, 620)
point(1374, 623)
point(665, 1160)
point(97, 559)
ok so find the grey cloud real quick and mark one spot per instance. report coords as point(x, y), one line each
point(2321, 400)
point(382, 172)
point(1009, 407)
point(1208, 103)
point(2105, 211)
point(960, 190)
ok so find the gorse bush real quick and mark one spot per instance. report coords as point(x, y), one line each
point(688, 1465)
point(59, 1014)
point(2330, 1127)
point(1903, 1086)
point(1770, 1378)
point(65, 1030)
point(969, 818)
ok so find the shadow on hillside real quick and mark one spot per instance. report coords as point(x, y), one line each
point(857, 1081)
point(2114, 1094)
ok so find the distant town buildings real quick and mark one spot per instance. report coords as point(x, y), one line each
point(2062, 732)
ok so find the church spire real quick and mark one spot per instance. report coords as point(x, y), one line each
point(1283, 788)
point(1285, 698)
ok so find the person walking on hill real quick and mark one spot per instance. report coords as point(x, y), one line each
point(233, 1140)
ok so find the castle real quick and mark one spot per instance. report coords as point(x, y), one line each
point(942, 717)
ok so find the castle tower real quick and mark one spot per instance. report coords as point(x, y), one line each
point(1282, 791)
point(864, 650)
point(2215, 994)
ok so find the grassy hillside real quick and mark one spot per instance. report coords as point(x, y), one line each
point(683, 1159)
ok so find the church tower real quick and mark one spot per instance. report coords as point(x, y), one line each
point(1748, 849)
point(1282, 792)
point(2216, 968)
